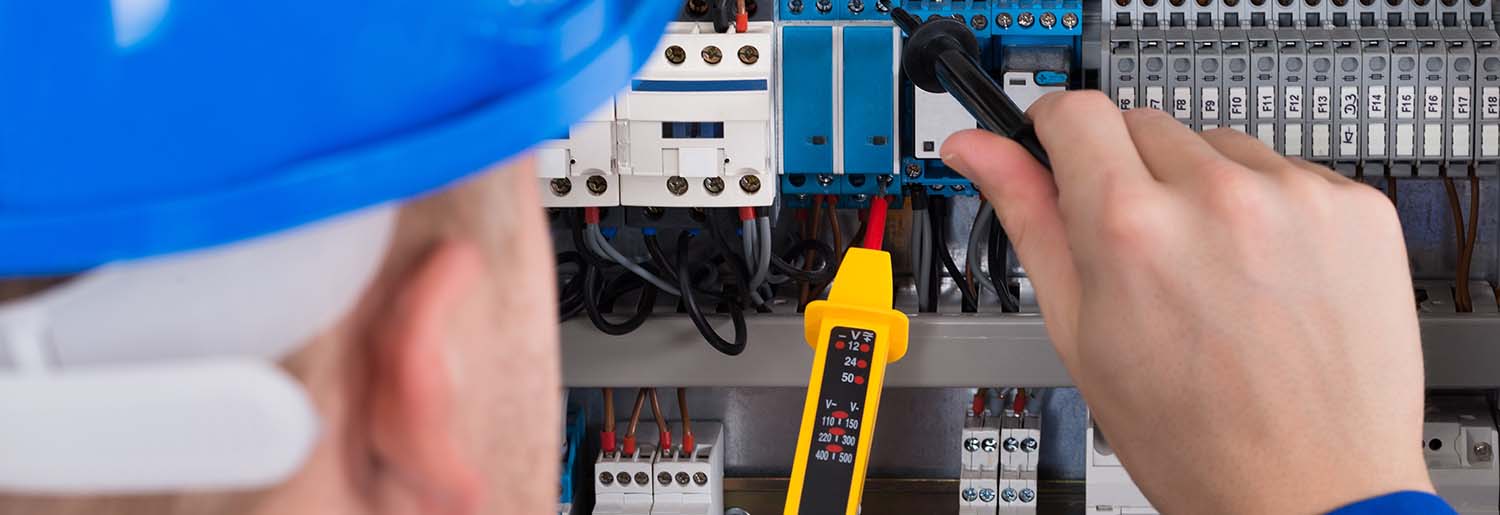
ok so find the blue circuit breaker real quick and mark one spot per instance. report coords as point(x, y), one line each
point(869, 111)
point(807, 96)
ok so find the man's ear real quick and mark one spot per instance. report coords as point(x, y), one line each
point(413, 426)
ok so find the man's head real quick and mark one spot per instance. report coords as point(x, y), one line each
point(438, 392)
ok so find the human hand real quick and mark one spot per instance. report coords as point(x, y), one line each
point(1241, 324)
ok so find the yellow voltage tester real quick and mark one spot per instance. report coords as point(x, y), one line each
point(853, 335)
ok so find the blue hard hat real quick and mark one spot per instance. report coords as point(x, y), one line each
point(132, 128)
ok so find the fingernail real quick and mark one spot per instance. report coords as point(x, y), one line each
point(955, 161)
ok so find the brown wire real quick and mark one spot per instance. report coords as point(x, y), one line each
point(1461, 283)
point(807, 259)
point(661, 422)
point(609, 410)
point(635, 413)
point(1473, 239)
point(833, 223)
point(687, 422)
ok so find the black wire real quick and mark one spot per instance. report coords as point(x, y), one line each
point(823, 272)
point(940, 244)
point(926, 301)
point(593, 274)
point(999, 263)
point(690, 303)
point(570, 295)
point(737, 264)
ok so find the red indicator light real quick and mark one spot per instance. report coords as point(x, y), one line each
point(862, 364)
point(839, 345)
point(836, 431)
point(840, 414)
point(859, 379)
point(833, 447)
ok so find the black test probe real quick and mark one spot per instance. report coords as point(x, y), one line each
point(939, 56)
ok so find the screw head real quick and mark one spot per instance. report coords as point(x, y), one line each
point(856, 6)
point(1048, 20)
point(824, 6)
point(1070, 20)
point(987, 495)
point(959, 187)
point(1003, 20)
point(606, 478)
point(561, 186)
point(883, 6)
point(714, 185)
point(596, 184)
point(676, 55)
point(697, 7)
point(1029, 445)
point(1025, 19)
point(1008, 495)
point(700, 478)
point(861, 197)
point(1027, 495)
point(1483, 451)
point(884, 180)
point(971, 444)
point(665, 478)
point(1011, 444)
point(642, 478)
point(795, 6)
point(677, 185)
point(825, 180)
point(748, 54)
point(935, 187)
point(682, 478)
point(712, 55)
point(988, 445)
point(979, 21)
point(913, 171)
point(654, 212)
point(969, 494)
point(750, 184)
point(623, 479)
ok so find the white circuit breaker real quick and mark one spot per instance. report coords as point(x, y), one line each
point(579, 170)
point(935, 116)
point(624, 483)
point(998, 464)
point(692, 483)
point(694, 129)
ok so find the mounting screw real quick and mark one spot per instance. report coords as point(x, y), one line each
point(712, 55)
point(606, 478)
point(676, 55)
point(623, 478)
point(795, 6)
point(1483, 451)
point(969, 494)
point(1027, 495)
point(677, 185)
point(596, 184)
point(971, 444)
point(825, 180)
point(883, 6)
point(824, 6)
point(1025, 19)
point(979, 21)
point(665, 478)
point(1070, 20)
point(987, 495)
point(856, 6)
point(748, 54)
point(988, 445)
point(913, 171)
point(1011, 444)
point(750, 184)
point(1008, 495)
point(642, 479)
point(700, 478)
point(1048, 20)
point(1003, 20)
point(682, 478)
point(561, 186)
point(1028, 445)
point(714, 185)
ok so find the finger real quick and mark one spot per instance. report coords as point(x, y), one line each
point(1026, 203)
point(1252, 153)
point(1172, 152)
point(1090, 149)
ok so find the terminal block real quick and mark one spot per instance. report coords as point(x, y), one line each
point(694, 128)
point(978, 492)
point(578, 170)
point(624, 483)
point(691, 481)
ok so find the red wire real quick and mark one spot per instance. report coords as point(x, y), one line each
point(591, 215)
point(747, 214)
point(875, 226)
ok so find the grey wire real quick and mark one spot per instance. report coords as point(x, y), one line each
point(763, 264)
point(977, 237)
point(615, 255)
point(924, 256)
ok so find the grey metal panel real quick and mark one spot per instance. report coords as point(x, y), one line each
point(1462, 351)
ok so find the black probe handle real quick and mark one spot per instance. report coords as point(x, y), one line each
point(990, 106)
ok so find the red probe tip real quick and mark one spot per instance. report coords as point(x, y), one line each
point(875, 225)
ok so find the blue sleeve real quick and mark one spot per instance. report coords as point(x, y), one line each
point(1398, 503)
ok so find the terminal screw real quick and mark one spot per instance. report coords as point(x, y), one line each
point(1008, 495)
point(700, 478)
point(697, 7)
point(795, 6)
point(912, 170)
point(665, 478)
point(1070, 20)
point(861, 197)
point(1483, 451)
point(959, 187)
point(1003, 20)
point(642, 478)
point(748, 54)
point(969, 494)
point(597, 185)
point(1028, 445)
point(988, 445)
point(676, 55)
point(979, 21)
point(825, 180)
point(824, 6)
point(883, 6)
point(1011, 444)
point(1027, 495)
point(971, 444)
point(714, 185)
point(712, 55)
point(856, 6)
point(561, 186)
point(935, 187)
point(750, 184)
point(623, 478)
point(682, 478)
point(677, 185)
point(1025, 19)
point(987, 495)
point(1048, 20)
point(606, 478)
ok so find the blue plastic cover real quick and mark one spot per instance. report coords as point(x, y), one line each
point(131, 128)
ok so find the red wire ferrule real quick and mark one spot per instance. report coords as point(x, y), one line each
point(629, 445)
point(666, 440)
point(688, 446)
point(747, 214)
point(607, 441)
point(1019, 406)
point(591, 215)
point(741, 23)
point(978, 408)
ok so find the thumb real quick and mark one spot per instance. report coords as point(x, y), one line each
point(1025, 200)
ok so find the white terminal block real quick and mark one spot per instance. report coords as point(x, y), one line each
point(579, 170)
point(935, 117)
point(694, 129)
point(1018, 496)
point(624, 483)
point(692, 483)
point(1458, 442)
point(978, 492)
point(979, 444)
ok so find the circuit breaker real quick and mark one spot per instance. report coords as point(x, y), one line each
point(624, 482)
point(691, 481)
point(578, 170)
